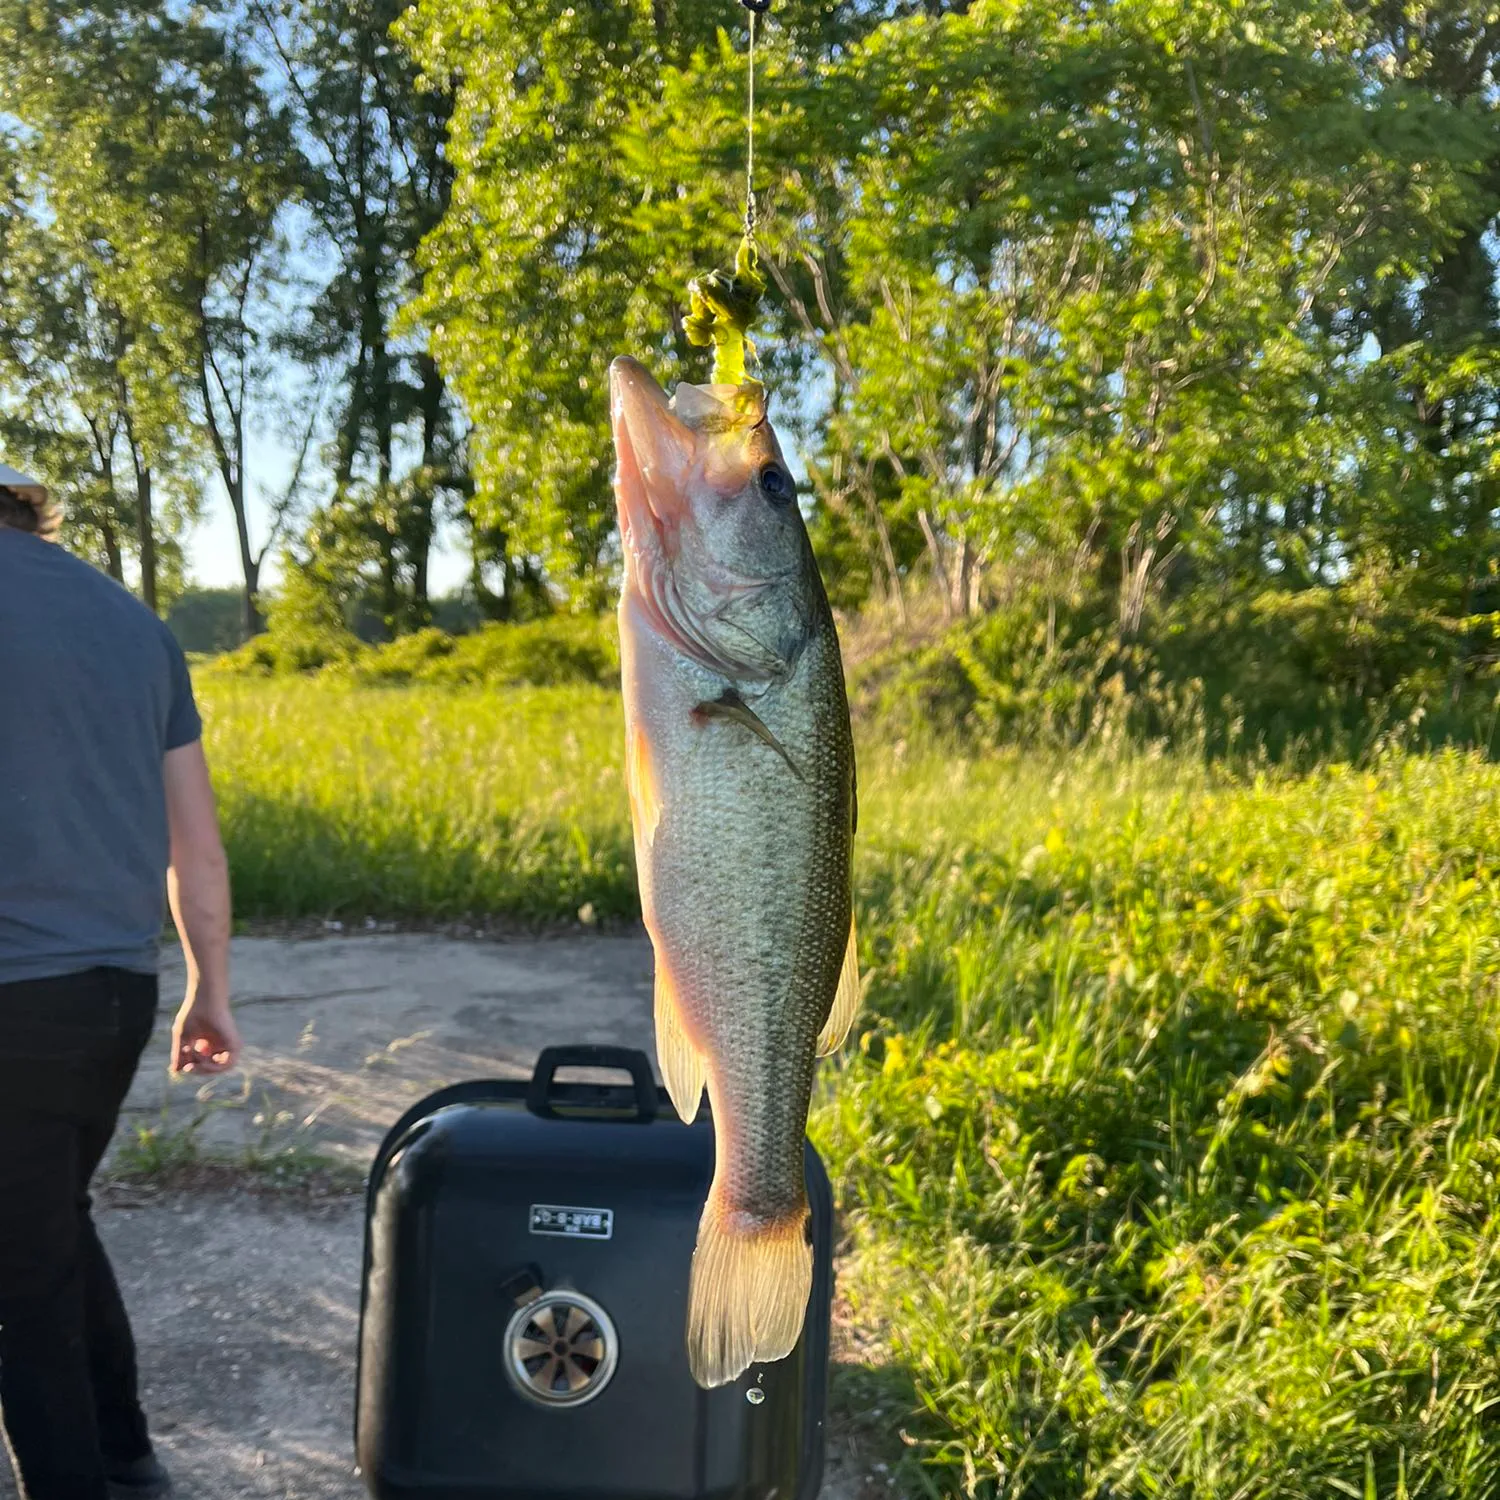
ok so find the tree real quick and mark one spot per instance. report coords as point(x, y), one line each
point(229, 206)
point(533, 280)
point(1051, 279)
point(143, 183)
point(64, 393)
point(377, 181)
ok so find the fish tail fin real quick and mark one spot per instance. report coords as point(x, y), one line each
point(682, 1067)
point(748, 1296)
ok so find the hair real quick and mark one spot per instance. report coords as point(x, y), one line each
point(20, 514)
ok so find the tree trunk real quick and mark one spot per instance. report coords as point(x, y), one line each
point(147, 535)
point(492, 606)
point(232, 471)
point(390, 594)
point(252, 622)
point(887, 551)
point(380, 400)
point(112, 555)
point(939, 562)
point(144, 520)
point(347, 444)
point(423, 522)
point(963, 577)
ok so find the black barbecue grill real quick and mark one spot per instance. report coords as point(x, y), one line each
point(527, 1252)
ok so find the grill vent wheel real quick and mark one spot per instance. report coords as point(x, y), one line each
point(561, 1349)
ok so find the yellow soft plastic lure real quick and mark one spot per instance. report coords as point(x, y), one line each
point(722, 306)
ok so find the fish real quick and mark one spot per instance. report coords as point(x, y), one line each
point(739, 762)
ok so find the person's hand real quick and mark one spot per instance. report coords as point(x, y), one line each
point(204, 1037)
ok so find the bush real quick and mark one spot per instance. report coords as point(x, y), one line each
point(542, 653)
point(305, 630)
point(1320, 670)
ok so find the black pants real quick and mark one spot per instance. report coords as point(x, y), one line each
point(68, 1050)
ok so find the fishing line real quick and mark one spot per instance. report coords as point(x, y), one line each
point(722, 304)
point(757, 8)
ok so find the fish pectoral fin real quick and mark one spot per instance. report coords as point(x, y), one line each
point(682, 1068)
point(729, 705)
point(845, 1001)
point(640, 782)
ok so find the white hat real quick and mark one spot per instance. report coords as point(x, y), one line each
point(28, 489)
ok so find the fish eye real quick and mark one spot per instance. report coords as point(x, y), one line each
point(776, 484)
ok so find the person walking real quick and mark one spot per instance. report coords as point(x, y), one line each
point(105, 806)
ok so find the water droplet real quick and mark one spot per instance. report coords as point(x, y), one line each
point(755, 1395)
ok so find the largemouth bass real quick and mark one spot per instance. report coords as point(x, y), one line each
point(740, 766)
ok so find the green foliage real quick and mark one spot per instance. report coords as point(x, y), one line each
point(305, 635)
point(156, 1152)
point(146, 167)
point(1151, 282)
point(305, 626)
point(207, 620)
point(376, 180)
point(1319, 671)
point(542, 653)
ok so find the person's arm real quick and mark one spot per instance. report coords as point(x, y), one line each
point(204, 1038)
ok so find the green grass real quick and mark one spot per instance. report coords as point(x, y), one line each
point(169, 1156)
point(1171, 1147)
point(345, 801)
point(1168, 1147)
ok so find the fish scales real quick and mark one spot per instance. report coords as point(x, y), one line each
point(747, 899)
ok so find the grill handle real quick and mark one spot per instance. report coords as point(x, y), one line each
point(543, 1091)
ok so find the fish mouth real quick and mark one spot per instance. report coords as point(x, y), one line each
point(657, 462)
point(654, 453)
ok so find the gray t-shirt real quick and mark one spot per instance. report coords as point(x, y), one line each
point(94, 691)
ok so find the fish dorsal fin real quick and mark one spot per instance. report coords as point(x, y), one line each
point(682, 1068)
point(640, 782)
point(729, 705)
point(845, 1001)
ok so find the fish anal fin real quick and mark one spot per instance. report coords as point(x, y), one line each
point(747, 1297)
point(845, 1001)
point(729, 705)
point(640, 782)
point(682, 1067)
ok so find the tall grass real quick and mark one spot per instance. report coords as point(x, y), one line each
point(1169, 1143)
point(340, 801)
